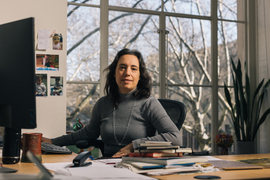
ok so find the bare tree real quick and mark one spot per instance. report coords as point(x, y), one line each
point(188, 57)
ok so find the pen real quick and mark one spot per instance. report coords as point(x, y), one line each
point(110, 163)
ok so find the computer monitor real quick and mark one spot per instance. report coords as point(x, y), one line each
point(17, 80)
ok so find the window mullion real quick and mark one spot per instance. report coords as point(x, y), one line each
point(214, 57)
point(162, 62)
point(104, 33)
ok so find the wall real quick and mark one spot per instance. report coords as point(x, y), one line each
point(263, 67)
point(50, 15)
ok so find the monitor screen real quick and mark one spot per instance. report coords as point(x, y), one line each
point(17, 79)
point(17, 74)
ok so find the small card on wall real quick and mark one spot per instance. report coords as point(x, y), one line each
point(57, 41)
point(43, 39)
point(41, 85)
point(47, 62)
point(56, 85)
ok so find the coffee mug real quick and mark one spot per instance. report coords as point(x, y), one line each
point(31, 142)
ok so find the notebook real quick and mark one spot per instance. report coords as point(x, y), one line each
point(233, 165)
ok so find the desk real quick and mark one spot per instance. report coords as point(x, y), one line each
point(235, 174)
point(30, 168)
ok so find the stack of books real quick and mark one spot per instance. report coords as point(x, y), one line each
point(165, 162)
point(157, 149)
point(161, 157)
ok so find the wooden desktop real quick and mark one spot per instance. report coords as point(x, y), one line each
point(30, 168)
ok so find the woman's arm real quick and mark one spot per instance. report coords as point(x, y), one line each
point(90, 131)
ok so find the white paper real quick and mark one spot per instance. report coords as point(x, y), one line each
point(43, 39)
point(57, 166)
point(94, 172)
point(98, 170)
point(109, 161)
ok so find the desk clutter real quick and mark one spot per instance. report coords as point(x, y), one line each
point(162, 158)
point(139, 167)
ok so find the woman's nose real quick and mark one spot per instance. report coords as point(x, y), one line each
point(128, 72)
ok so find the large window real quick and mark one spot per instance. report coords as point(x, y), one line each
point(176, 38)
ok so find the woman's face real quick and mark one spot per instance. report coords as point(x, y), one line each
point(127, 73)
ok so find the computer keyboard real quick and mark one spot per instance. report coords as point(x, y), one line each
point(48, 148)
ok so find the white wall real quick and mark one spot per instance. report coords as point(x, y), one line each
point(50, 15)
point(263, 67)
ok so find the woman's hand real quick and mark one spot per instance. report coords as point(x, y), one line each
point(124, 151)
point(46, 140)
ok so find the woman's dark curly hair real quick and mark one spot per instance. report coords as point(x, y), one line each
point(143, 86)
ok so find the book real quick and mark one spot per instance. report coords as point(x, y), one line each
point(265, 162)
point(160, 147)
point(158, 142)
point(167, 160)
point(164, 150)
point(233, 165)
point(155, 150)
point(143, 165)
point(156, 171)
point(155, 154)
point(155, 143)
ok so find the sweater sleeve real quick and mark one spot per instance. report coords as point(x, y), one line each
point(167, 130)
point(43, 88)
point(89, 132)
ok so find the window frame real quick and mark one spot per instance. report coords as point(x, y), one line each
point(104, 36)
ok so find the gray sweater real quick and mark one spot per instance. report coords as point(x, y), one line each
point(136, 120)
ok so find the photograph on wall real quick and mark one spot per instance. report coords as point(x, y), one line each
point(57, 41)
point(47, 62)
point(41, 85)
point(56, 85)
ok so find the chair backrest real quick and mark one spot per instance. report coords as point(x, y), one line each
point(176, 110)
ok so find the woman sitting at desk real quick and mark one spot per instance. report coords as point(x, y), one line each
point(127, 115)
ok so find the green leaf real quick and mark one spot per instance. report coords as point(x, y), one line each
point(256, 105)
point(228, 96)
point(262, 119)
point(248, 117)
point(245, 115)
point(243, 103)
point(237, 124)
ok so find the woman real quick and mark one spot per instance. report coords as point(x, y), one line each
point(127, 115)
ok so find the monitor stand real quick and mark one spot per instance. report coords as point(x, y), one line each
point(11, 146)
point(7, 170)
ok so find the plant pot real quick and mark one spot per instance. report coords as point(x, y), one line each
point(224, 151)
point(245, 147)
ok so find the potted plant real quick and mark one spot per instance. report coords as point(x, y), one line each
point(246, 110)
point(224, 141)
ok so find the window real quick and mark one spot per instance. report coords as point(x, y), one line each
point(176, 39)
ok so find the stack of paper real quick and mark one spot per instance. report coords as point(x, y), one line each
point(159, 149)
point(166, 160)
point(157, 169)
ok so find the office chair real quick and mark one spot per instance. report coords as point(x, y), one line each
point(176, 110)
